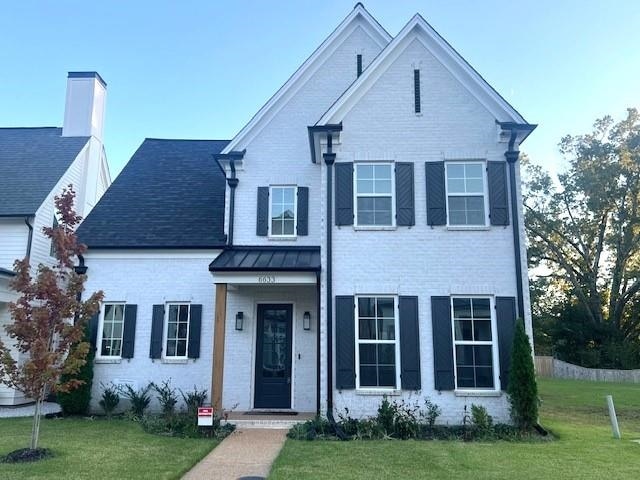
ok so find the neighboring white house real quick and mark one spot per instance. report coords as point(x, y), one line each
point(35, 164)
point(368, 240)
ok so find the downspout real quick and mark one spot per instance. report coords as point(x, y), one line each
point(233, 183)
point(329, 160)
point(27, 221)
point(512, 157)
point(318, 313)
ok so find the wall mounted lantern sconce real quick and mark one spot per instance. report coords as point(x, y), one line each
point(306, 321)
point(239, 320)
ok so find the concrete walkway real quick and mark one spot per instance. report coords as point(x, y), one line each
point(28, 410)
point(246, 453)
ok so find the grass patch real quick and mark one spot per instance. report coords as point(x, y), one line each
point(99, 449)
point(575, 411)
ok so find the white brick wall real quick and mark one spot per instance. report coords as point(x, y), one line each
point(146, 279)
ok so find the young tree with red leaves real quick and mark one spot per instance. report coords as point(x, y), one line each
point(48, 317)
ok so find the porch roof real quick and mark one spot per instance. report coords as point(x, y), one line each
point(267, 258)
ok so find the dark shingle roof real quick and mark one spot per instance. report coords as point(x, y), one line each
point(169, 195)
point(32, 160)
point(259, 258)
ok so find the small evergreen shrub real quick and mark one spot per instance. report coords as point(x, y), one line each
point(139, 399)
point(110, 399)
point(193, 399)
point(481, 420)
point(522, 388)
point(76, 401)
point(167, 397)
point(431, 413)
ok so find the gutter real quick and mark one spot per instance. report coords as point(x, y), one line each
point(312, 130)
point(232, 181)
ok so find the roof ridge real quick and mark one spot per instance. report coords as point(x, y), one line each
point(28, 128)
point(185, 139)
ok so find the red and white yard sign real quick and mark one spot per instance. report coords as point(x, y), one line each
point(205, 416)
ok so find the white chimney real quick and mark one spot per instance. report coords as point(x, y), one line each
point(84, 107)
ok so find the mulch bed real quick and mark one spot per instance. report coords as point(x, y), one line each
point(24, 455)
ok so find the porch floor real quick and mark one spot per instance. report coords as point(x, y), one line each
point(255, 419)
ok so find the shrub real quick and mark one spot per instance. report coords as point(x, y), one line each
point(167, 397)
point(139, 399)
point(481, 420)
point(110, 399)
point(182, 424)
point(311, 429)
point(522, 388)
point(193, 399)
point(76, 401)
point(432, 412)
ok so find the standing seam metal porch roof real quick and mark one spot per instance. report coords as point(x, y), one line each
point(267, 258)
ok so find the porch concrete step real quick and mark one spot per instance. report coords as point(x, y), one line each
point(282, 422)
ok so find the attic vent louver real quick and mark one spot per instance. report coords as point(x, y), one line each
point(359, 64)
point(416, 89)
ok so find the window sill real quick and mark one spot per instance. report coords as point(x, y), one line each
point(478, 393)
point(378, 392)
point(175, 361)
point(468, 228)
point(108, 360)
point(373, 228)
point(282, 239)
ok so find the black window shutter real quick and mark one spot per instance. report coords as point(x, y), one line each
point(409, 343)
point(157, 324)
point(262, 222)
point(92, 329)
point(344, 193)
point(405, 198)
point(436, 194)
point(129, 332)
point(195, 326)
point(442, 343)
point(498, 203)
point(303, 210)
point(506, 320)
point(345, 343)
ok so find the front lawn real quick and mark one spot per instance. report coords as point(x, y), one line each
point(99, 449)
point(575, 412)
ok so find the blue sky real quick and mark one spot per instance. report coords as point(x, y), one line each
point(201, 69)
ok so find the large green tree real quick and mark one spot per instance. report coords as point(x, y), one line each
point(584, 225)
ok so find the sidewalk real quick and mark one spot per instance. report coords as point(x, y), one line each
point(245, 453)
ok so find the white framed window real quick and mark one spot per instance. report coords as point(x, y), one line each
point(176, 336)
point(110, 330)
point(374, 195)
point(283, 211)
point(474, 346)
point(377, 343)
point(466, 186)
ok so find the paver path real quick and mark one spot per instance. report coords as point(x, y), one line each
point(245, 453)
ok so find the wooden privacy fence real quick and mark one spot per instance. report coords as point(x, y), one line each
point(554, 368)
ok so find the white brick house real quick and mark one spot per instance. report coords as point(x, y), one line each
point(36, 163)
point(365, 239)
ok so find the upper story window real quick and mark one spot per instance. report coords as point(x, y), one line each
point(376, 342)
point(374, 194)
point(110, 331)
point(282, 211)
point(177, 330)
point(466, 193)
point(473, 343)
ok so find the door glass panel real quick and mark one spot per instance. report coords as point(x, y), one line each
point(274, 343)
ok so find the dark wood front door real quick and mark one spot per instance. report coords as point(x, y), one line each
point(273, 356)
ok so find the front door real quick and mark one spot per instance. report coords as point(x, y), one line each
point(273, 356)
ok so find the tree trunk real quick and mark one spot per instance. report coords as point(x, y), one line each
point(35, 429)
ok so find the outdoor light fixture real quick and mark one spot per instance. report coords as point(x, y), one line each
point(306, 321)
point(239, 320)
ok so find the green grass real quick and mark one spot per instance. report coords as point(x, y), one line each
point(99, 449)
point(574, 411)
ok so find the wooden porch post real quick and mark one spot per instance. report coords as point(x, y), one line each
point(218, 346)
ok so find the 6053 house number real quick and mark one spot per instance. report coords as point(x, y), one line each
point(266, 279)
